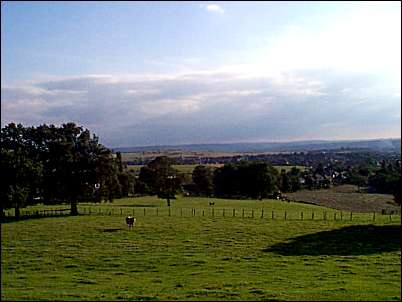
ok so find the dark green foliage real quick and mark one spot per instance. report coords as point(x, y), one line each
point(20, 173)
point(126, 181)
point(284, 182)
point(58, 164)
point(203, 179)
point(295, 175)
point(245, 179)
point(388, 180)
point(160, 178)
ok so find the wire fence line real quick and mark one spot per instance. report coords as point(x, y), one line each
point(262, 213)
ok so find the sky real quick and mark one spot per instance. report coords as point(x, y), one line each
point(166, 73)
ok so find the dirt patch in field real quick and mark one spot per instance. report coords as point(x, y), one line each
point(345, 198)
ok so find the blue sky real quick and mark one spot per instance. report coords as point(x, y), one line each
point(146, 73)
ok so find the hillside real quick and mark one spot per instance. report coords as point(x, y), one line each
point(375, 144)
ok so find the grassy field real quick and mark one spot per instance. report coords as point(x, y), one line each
point(347, 197)
point(95, 257)
point(190, 168)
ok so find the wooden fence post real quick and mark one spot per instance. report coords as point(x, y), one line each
point(341, 215)
point(242, 214)
point(351, 215)
point(312, 216)
point(390, 216)
point(262, 213)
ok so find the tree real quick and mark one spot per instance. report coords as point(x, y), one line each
point(21, 173)
point(160, 178)
point(284, 182)
point(245, 179)
point(387, 180)
point(126, 181)
point(203, 179)
point(294, 177)
point(61, 164)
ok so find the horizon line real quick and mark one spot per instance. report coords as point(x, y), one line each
point(261, 142)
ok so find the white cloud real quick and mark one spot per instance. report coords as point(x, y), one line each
point(214, 8)
point(367, 42)
point(207, 106)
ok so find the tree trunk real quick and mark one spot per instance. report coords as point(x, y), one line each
point(74, 209)
point(17, 212)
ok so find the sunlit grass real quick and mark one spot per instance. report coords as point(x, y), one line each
point(96, 257)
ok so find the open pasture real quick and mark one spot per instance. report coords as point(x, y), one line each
point(96, 257)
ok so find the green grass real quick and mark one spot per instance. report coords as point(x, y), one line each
point(95, 257)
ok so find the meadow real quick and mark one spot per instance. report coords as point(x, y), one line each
point(188, 256)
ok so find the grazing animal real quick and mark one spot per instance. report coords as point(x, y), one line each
point(211, 203)
point(130, 221)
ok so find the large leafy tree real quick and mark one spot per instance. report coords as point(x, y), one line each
point(203, 179)
point(76, 164)
point(73, 165)
point(285, 183)
point(245, 179)
point(160, 178)
point(388, 180)
point(21, 174)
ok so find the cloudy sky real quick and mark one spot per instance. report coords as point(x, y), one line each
point(156, 73)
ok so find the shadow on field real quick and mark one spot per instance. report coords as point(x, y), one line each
point(9, 219)
point(351, 240)
point(138, 205)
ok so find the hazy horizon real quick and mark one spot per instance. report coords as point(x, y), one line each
point(260, 142)
point(176, 73)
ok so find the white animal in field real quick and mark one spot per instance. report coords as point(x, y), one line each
point(130, 221)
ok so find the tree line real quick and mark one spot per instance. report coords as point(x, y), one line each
point(259, 179)
point(55, 165)
point(65, 164)
point(244, 179)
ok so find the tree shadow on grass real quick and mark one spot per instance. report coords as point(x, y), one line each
point(351, 240)
point(9, 219)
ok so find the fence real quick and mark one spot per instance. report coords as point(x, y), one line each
point(217, 212)
point(241, 213)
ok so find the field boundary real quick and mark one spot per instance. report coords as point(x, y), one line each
point(266, 214)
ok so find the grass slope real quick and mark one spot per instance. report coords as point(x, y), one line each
point(348, 198)
point(93, 257)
